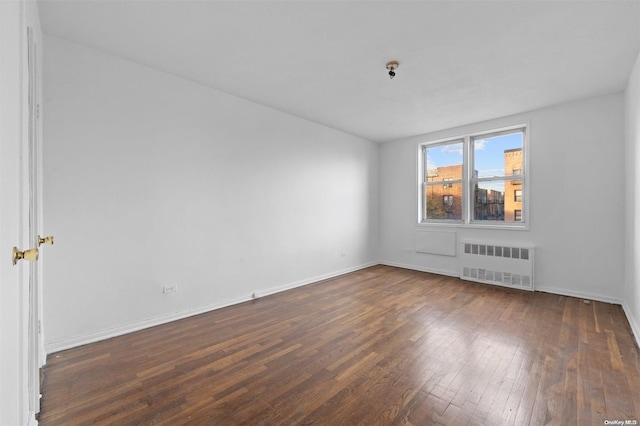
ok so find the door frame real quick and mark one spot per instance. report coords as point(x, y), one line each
point(15, 402)
point(37, 357)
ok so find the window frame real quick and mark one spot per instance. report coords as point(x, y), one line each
point(517, 195)
point(447, 200)
point(516, 213)
point(422, 185)
point(468, 180)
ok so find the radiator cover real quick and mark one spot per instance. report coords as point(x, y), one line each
point(509, 265)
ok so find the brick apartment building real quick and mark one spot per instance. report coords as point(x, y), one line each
point(513, 188)
point(445, 201)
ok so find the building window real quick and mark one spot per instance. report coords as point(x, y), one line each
point(479, 171)
point(517, 215)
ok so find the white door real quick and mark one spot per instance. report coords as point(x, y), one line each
point(20, 354)
point(35, 307)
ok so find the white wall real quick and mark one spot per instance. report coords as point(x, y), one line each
point(153, 180)
point(13, 280)
point(577, 199)
point(632, 196)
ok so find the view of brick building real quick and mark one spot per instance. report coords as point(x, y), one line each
point(488, 204)
point(513, 188)
point(444, 201)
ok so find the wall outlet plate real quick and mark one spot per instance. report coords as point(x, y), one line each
point(170, 288)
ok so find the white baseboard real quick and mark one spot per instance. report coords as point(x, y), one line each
point(421, 268)
point(84, 339)
point(633, 322)
point(152, 322)
point(32, 420)
point(308, 281)
point(554, 290)
point(579, 294)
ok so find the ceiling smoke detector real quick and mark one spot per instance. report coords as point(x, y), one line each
point(391, 66)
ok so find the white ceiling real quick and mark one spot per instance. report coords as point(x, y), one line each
point(460, 61)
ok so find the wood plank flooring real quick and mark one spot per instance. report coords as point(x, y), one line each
point(381, 346)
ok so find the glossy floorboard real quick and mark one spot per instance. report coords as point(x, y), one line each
point(381, 346)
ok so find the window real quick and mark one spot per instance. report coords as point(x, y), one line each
point(477, 179)
point(517, 195)
point(437, 171)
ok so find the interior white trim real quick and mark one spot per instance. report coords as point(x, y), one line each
point(579, 294)
point(544, 289)
point(422, 269)
point(84, 339)
point(32, 420)
point(635, 327)
point(129, 328)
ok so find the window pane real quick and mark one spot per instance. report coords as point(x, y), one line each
point(490, 202)
point(479, 178)
point(498, 155)
point(513, 201)
point(443, 162)
point(517, 195)
point(444, 201)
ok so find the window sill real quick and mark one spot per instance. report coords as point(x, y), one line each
point(474, 225)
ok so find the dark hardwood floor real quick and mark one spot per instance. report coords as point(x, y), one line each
point(381, 346)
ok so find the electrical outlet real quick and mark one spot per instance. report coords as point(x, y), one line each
point(170, 288)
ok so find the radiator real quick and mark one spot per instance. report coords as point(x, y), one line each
point(508, 265)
